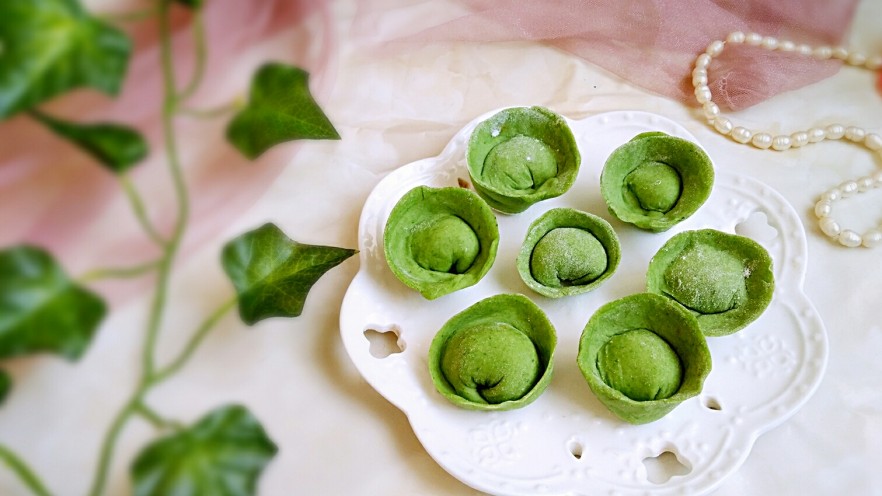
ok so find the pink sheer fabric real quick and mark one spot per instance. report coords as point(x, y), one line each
point(653, 43)
point(55, 196)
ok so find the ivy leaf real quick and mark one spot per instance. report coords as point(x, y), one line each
point(193, 4)
point(223, 454)
point(48, 47)
point(5, 385)
point(280, 108)
point(41, 309)
point(117, 147)
point(273, 273)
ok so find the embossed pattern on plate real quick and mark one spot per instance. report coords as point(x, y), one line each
point(567, 442)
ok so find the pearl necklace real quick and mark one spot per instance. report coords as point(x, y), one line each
point(765, 141)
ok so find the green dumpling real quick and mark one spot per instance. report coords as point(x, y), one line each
point(643, 355)
point(440, 240)
point(568, 252)
point(726, 280)
point(655, 181)
point(495, 355)
point(641, 365)
point(521, 156)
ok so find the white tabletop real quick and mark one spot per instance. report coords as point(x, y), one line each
point(335, 433)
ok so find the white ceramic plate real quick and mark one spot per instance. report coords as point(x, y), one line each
point(567, 442)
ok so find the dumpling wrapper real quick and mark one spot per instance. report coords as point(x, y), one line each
point(497, 354)
point(440, 240)
point(673, 325)
point(521, 156)
point(568, 252)
point(655, 181)
point(725, 280)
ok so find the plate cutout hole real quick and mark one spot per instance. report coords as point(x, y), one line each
point(757, 227)
point(660, 468)
point(576, 449)
point(711, 403)
point(384, 342)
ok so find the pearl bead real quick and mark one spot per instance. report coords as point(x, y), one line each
point(848, 188)
point(699, 72)
point(703, 94)
point(798, 139)
point(865, 184)
point(831, 196)
point(829, 227)
point(805, 50)
point(723, 125)
point(741, 134)
point(715, 48)
point(769, 43)
point(877, 176)
point(761, 140)
point(855, 133)
point(781, 143)
point(703, 61)
point(735, 37)
point(699, 80)
point(711, 110)
point(873, 141)
point(856, 59)
point(850, 238)
point(753, 39)
point(872, 238)
point(834, 131)
point(823, 209)
point(787, 46)
point(840, 53)
point(816, 134)
point(874, 63)
point(822, 52)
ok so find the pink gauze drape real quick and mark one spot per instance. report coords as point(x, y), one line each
point(654, 43)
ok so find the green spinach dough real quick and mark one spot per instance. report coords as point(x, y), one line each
point(725, 280)
point(521, 156)
point(655, 181)
point(495, 355)
point(568, 252)
point(643, 355)
point(440, 240)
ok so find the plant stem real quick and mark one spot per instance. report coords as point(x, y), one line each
point(27, 476)
point(195, 340)
point(139, 209)
point(209, 113)
point(200, 51)
point(154, 417)
point(118, 272)
point(166, 261)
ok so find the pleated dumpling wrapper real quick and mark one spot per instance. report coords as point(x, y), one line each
point(655, 181)
point(725, 280)
point(495, 355)
point(440, 240)
point(643, 355)
point(568, 252)
point(520, 156)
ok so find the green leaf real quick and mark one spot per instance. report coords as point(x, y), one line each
point(273, 274)
point(193, 4)
point(41, 309)
point(280, 108)
point(117, 147)
point(5, 385)
point(222, 454)
point(48, 47)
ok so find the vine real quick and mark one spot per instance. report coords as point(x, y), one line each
point(226, 450)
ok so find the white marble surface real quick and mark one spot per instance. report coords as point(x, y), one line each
point(336, 434)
